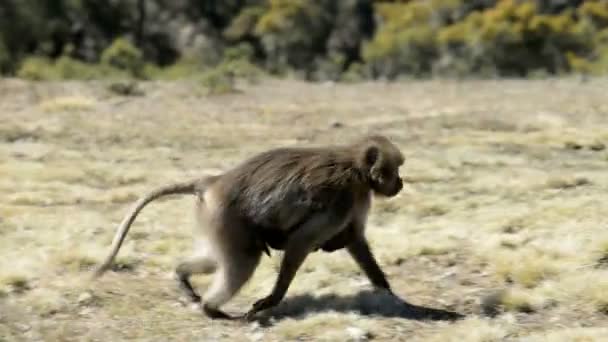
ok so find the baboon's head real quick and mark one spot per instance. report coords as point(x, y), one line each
point(381, 161)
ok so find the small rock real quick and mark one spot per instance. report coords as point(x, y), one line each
point(336, 124)
point(85, 298)
point(23, 327)
point(399, 261)
point(257, 336)
point(597, 146)
point(358, 334)
point(85, 312)
point(571, 145)
point(254, 326)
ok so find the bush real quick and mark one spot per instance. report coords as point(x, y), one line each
point(318, 39)
point(64, 68)
point(223, 78)
point(218, 81)
point(595, 60)
point(37, 69)
point(511, 38)
point(406, 42)
point(183, 68)
point(292, 33)
point(124, 56)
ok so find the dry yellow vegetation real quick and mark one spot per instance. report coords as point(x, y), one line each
point(503, 217)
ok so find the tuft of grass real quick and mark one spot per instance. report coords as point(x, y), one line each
point(15, 282)
point(473, 329)
point(119, 196)
point(527, 268)
point(600, 254)
point(68, 104)
point(593, 291)
point(523, 300)
point(431, 210)
point(325, 327)
point(126, 263)
point(566, 182)
point(386, 207)
point(47, 302)
point(578, 334)
point(436, 249)
point(75, 260)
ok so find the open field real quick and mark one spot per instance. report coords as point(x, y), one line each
point(502, 219)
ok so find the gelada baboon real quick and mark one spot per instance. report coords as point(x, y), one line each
point(294, 199)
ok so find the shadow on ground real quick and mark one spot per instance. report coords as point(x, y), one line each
point(367, 303)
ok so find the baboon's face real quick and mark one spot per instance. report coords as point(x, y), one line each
point(384, 171)
point(386, 180)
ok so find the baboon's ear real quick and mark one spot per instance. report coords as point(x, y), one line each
point(371, 155)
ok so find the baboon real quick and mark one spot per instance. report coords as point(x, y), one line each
point(297, 199)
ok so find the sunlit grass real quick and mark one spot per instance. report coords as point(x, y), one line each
point(504, 194)
point(67, 104)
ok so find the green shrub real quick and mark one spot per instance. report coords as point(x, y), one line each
point(223, 78)
point(293, 32)
point(219, 81)
point(37, 69)
point(355, 73)
point(242, 51)
point(64, 68)
point(512, 39)
point(235, 66)
point(318, 39)
point(124, 56)
point(243, 26)
point(406, 42)
point(594, 61)
point(72, 69)
point(183, 68)
point(596, 11)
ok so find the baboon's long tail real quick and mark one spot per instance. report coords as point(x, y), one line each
point(191, 187)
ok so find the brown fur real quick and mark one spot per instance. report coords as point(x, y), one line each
point(296, 199)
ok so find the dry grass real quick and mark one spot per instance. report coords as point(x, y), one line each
point(504, 209)
point(67, 104)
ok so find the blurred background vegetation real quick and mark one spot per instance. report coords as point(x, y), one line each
point(345, 40)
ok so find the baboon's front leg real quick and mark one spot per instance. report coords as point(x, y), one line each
point(311, 234)
point(360, 251)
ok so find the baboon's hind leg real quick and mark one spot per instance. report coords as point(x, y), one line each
point(197, 264)
point(233, 272)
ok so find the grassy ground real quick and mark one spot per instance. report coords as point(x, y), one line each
point(503, 217)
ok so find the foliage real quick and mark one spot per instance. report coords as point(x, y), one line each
point(405, 43)
point(223, 78)
point(595, 14)
point(317, 39)
point(513, 39)
point(292, 32)
point(64, 68)
point(124, 56)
